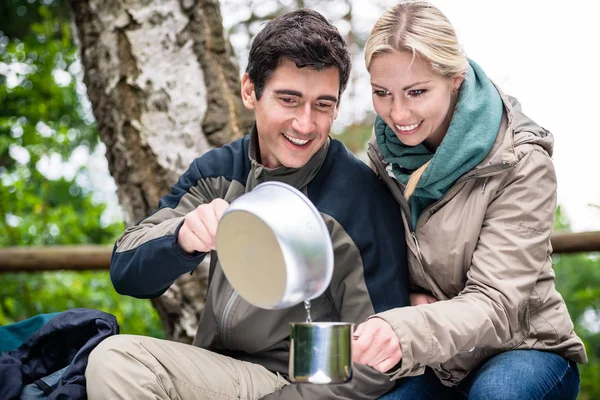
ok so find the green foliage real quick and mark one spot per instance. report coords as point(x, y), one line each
point(355, 137)
point(44, 119)
point(26, 295)
point(578, 280)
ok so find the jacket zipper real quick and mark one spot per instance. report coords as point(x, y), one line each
point(225, 317)
point(414, 235)
point(398, 193)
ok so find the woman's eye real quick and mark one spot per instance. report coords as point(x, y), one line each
point(416, 93)
point(381, 93)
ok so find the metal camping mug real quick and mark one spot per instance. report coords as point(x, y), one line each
point(274, 247)
point(320, 352)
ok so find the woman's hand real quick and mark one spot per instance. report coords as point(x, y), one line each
point(375, 343)
point(421, 298)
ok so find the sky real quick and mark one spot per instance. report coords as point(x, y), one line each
point(546, 55)
point(543, 53)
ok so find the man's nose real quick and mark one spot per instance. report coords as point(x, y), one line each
point(304, 122)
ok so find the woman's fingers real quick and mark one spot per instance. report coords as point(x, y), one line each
point(376, 345)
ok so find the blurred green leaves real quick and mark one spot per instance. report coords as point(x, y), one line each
point(44, 118)
point(25, 295)
point(45, 196)
point(578, 281)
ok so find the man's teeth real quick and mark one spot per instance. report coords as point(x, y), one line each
point(296, 141)
point(408, 127)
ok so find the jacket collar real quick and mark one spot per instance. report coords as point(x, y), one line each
point(296, 177)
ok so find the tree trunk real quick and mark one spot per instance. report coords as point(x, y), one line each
point(163, 83)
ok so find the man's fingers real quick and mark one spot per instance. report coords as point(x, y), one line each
point(200, 227)
point(210, 215)
point(209, 230)
point(195, 221)
point(188, 240)
point(220, 206)
point(202, 223)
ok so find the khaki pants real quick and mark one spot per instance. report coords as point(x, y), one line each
point(139, 367)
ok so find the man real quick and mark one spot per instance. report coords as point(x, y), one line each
point(298, 68)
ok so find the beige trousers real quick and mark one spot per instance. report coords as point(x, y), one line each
point(140, 367)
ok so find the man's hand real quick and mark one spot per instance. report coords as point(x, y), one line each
point(375, 344)
point(200, 227)
point(421, 298)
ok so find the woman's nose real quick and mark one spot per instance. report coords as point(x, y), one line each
point(400, 112)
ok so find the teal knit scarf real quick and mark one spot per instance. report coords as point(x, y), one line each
point(470, 137)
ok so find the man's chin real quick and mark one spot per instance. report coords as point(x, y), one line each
point(295, 162)
point(296, 158)
point(295, 165)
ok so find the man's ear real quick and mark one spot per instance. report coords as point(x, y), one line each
point(248, 95)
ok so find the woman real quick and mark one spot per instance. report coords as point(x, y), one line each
point(474, 178)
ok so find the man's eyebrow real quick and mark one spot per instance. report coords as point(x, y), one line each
point(328, 97)
point(296, 93)
point(288, 92)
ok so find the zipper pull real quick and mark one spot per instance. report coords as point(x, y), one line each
point(417, 244)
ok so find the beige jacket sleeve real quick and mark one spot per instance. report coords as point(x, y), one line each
point(514, 244)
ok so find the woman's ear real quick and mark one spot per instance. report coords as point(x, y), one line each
point(457, 80)
point(248, 95)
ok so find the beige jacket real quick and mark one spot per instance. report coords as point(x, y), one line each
point(483, 250)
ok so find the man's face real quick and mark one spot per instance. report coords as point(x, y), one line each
point(294, 114)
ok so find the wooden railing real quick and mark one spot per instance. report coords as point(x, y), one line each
point(52, 258)
point(95, 257)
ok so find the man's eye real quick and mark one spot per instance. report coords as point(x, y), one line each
point(287, 100)
point(416, 93)
point(381, 93)
point(324, 106)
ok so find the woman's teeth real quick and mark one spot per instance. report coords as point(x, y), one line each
point(299, 142)
point(406, 128)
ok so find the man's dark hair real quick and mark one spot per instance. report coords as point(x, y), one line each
point(306, 38)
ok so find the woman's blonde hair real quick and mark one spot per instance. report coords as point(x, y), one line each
point(422, 29)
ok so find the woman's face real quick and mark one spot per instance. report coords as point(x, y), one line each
point(414, 101)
